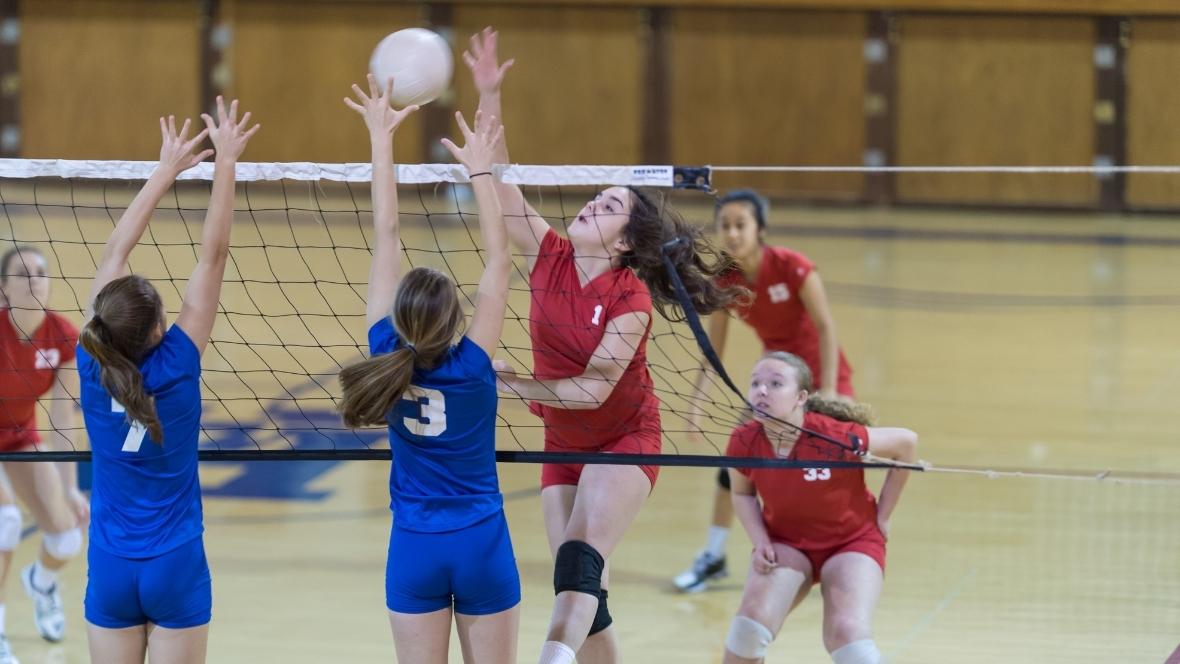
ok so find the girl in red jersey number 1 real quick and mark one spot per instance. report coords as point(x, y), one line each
point(814, 524)
point(590, 316)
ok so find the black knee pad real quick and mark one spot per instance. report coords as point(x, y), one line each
point(723, 479)
point(579, 568)
point(602, 619)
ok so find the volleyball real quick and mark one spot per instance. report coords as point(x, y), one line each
point(419, 61)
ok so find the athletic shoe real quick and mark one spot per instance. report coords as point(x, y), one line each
point(704, 569)
point(6, 656)
point(47, 614)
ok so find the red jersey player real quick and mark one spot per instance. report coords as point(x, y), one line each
point(37, 349)
point(592, 298)
point(813, 524)
point(789, 312)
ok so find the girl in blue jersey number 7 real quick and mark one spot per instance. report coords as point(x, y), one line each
point(149, 589)
point(449, 549)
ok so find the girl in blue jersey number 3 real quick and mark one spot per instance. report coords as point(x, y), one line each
point(149, 589)
point(449, 549)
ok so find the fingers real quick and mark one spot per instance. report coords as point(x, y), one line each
point(506, 66)
point(374, 91)
point(467, 133)
point(163, 130)
point(209, 126)
point(452, 148)
point(205, 154)
point(389, 88)
point(220, 110)
point(253, 130)
point(356, 90)
point(469, 59)
point(233, 111)
point(171, 125)
point(245, 122)
point(188, 147)
point(354, 106)
point(476, 46)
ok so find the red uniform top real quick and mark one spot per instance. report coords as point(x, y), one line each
point(567, 323)
point(777, 312)
point(27, 371)
point(809, 508)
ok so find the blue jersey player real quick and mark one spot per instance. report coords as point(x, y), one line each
point(449, 549)
point(149, 588)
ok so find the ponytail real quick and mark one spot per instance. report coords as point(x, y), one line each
point(121, 377)
point(371, 387)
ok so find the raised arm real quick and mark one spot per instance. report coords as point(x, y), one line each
point(176, 155)
point(199, 309)
point(526, 228)
point(386, 267)
point(488, 319)
point(593, 387)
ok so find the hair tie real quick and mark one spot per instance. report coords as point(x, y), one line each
point(475, 175)
point(410, 347)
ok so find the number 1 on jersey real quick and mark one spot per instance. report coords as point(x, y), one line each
point(597, 314)
point(135, 435)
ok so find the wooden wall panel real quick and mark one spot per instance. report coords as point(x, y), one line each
point(769, 88)
point(1153, 106)
point(96, 75)
point(292, 64)
point(996, 91)
point(573, 96)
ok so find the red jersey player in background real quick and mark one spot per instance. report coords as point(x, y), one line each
point(814, 524)
point(37, 349)
point(590, 316)
point(790, 313)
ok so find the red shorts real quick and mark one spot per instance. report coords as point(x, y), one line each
point(639, 442)
point(871, 543)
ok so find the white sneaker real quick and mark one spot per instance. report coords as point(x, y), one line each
point(6, 656)
point(704, 569)
point(47, 611)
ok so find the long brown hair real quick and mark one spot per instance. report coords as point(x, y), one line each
point(119, 335)
point(841, 409)
point(427, 317)
point(654, 223)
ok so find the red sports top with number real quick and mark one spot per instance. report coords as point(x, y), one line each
point(567, 322)
point(27, 372)
point(809, 508)
point(778, 315)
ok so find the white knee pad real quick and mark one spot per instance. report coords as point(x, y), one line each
point(748, 638)
point(863, 651)
point(63, 545)
point(10, 525)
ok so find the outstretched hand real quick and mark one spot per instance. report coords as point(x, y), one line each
point(375, 107)
point(177, 150)
point(481, 59)
point(229, 135)
point(479, 144)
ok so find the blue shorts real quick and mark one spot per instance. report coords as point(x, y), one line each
point(472, 569)
point(173, 590)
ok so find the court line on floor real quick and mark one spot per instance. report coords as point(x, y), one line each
point(925, 621)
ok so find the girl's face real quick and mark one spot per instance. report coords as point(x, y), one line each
point(774, 390)
point(600, 222)
point(25, 281)
point(737, 229)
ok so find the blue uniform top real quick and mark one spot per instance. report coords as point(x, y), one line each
point(146, 499)
point(443, 437)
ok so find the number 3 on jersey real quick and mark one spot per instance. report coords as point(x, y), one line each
point(135, 435)
point(433, 418)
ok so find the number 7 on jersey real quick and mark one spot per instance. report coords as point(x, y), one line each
point(135, 435)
